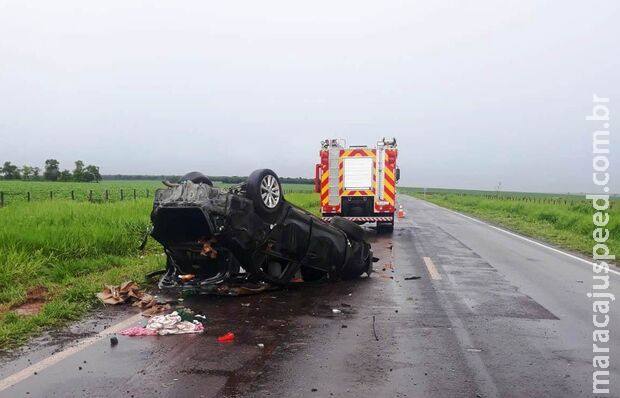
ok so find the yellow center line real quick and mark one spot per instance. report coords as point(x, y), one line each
point(435, 275)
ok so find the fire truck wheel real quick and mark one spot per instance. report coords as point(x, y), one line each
point(353, 231)
point(265, 191)
point(197, 178)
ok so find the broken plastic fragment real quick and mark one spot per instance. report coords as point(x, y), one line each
point(230, 336)
point(336, 311)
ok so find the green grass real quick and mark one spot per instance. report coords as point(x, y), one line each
point(17, 191)
point(73, 248)
point(564, 221)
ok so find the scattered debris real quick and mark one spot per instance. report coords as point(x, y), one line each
point(228, 337)
point(374, 330)
point(187, 277)
point(412, 278)
point(344, 326)
point(260, 345)
point(139, 331)
point(474, 350)
point(156, 309)
point(113, 341)
point(336, 311)
point(207, 249)
point(120, 294)
point(173, 323)
point(245, 304)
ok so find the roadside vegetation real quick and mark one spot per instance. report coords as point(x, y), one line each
point(105, 191)
point(55, 255)
point(564, 220)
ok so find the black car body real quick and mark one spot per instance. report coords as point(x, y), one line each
point(212, 233)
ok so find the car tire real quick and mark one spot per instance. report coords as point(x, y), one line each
point(265, 191)
point(351, 229)
point(197, 178)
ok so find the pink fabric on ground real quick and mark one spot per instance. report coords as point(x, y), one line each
point(139, 331)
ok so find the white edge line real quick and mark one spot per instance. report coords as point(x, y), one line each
point(53, 359)
point(521, 237)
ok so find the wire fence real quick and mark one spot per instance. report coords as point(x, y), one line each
point(91, 195)
point(572, 200)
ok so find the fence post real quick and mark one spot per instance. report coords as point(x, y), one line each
point(1, 199)
point(147, 193)
point(72, 195)
point(28, 196)
point(90, 196)
point(51, 195)
point(122, 196)
point(107, 196)
point(134, 194)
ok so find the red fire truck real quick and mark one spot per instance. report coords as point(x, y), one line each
point(357, 182)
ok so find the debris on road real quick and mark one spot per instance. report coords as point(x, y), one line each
point(139, 331)
point(174, 323)
point(113, 341)
point(260, 345)
point(156, 310)
point(129, 291)
point(411, 278)
point(374, 330)
point(228, 337)
point(120, 294)
point(336, 311)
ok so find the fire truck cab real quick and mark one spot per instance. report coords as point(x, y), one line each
point(357, 182)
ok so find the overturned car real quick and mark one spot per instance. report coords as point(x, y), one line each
point(210, 234)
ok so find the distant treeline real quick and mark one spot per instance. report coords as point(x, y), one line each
point(50, 172)
point(223, 179)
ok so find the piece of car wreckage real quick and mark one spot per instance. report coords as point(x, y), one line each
point(211, 233)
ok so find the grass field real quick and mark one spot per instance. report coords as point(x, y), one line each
point(17, 191)
point(564, 220)
point(70, 249)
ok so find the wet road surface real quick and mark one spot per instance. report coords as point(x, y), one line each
point(490, 315)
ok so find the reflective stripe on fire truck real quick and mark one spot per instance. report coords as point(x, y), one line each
point(325, 187)
point(389, 189)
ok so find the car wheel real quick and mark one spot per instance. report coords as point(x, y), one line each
point(197, 178)
point(265, 191)
point(353, 231)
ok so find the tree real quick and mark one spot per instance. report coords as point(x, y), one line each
point(51, 170)
point(10, 171)
point(26, 172)
point(66, 175)
point(91, 173)
point(36, 173)
point(78, 172)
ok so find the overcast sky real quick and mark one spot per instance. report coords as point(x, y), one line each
point(476, 92)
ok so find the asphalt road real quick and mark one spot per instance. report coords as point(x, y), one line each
point(490, 315)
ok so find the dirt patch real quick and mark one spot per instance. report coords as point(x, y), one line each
point(35, 299)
